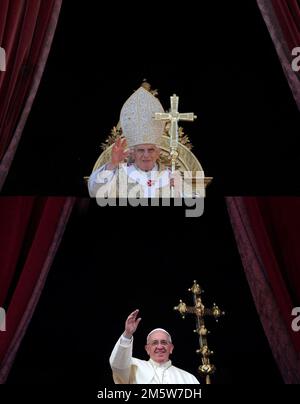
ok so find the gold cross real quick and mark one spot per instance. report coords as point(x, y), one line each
point(200, 311)
point(174, 116)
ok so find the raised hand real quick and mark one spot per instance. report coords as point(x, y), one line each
point(131, 323)
point(118, 153)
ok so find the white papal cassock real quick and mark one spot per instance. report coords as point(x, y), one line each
point(129, 181)
point(129, 370)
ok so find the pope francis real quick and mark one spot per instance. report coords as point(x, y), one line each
point(157, 370)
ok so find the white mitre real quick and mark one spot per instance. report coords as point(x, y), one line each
point(137, 119)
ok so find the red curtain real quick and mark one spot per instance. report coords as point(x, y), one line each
point(267, 231)
point(26, 32)
point(288, 15)
point(30, 233)
point(282, 18)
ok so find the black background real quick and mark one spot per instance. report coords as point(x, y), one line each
point(221, 62)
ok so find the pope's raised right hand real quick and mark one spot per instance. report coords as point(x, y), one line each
point(131, 323)
point(118, 153)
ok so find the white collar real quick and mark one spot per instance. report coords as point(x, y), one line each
point(164, 365)
point(154, 168)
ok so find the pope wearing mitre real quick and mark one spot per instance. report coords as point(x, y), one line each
point(134, 169)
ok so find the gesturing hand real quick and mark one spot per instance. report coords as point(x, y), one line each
point(118, 153)
point(131, 324)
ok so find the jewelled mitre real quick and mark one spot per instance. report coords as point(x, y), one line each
point(137, 119)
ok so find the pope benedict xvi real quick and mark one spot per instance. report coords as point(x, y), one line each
point(142, 175)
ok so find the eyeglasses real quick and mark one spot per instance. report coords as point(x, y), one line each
point(141, 151)
point(156, 342)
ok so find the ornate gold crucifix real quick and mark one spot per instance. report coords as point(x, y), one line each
point(174, 116)
point(200, 311)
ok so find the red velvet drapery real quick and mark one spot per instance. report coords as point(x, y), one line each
point(26, 32)
point(30, 233)
point(267, 232)
point(282, 18)
point(288, 15)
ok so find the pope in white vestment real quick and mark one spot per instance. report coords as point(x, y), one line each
point(143, 176)
point(129, 370)
point(128, 180)
point(157, 370)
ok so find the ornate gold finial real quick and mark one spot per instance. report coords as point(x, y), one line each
point(200, 311)
point(147, 86)
point(181, 308)
point(195, 288)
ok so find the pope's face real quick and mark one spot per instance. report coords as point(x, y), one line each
point(159, 347)
point(145, 156)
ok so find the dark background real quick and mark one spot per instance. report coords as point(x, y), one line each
point(103, 272)
point(220, 61)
